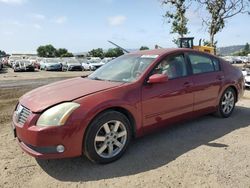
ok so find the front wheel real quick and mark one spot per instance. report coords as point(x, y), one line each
point(107, 137)
point(227, 103)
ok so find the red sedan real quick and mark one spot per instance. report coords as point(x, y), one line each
point(128, 97)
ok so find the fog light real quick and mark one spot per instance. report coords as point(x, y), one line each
point(60, 148)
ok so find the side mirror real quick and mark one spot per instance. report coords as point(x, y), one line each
point(157, 78)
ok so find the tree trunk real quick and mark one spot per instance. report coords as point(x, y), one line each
point(211, 39)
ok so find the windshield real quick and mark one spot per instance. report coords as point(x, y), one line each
point(126, 68)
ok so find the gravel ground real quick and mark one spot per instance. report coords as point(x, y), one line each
point(205, 152)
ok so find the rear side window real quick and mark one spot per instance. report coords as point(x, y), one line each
point(203, 64)
point(216, 64)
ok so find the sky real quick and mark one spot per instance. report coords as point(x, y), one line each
point(81, 25)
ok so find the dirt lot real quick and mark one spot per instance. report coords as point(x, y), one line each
point(206, 152)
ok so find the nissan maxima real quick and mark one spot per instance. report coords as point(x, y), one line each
point(130, 96)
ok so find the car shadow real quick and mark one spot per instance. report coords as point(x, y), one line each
point(152, 151)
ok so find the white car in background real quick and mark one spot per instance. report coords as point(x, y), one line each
point(92, 64)
point(106, 60)
point(246, 74)
point(12, 60)
point(51, 64)
point(71, 64)
point(23, 65)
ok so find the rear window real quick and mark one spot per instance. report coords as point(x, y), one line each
point(203, 64)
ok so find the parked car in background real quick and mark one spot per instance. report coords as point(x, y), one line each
point(71, 65)
point(128, 97)
point(34, 60)
point(237, 60)
point(12, 60)
point(106, 60)
point(92, 64)
point(229, 59)
point(52, 64)
point(23, 65)
point(246, 73)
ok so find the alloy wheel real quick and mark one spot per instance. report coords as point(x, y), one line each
point(227, 103)
point(110, 139)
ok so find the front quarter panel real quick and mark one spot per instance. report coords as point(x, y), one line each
point(126, 96)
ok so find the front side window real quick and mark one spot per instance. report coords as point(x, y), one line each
point(202, 64)
point(173, 67)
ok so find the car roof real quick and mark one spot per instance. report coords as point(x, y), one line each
point(157, 51)
point(165, 51)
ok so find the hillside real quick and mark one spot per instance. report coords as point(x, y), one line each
point(229, 50)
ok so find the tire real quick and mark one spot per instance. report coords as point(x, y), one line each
point(227, 103)
point(107, 137)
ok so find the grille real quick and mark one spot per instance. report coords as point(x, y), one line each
point(22, 114)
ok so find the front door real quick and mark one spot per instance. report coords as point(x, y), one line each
point(170, 100)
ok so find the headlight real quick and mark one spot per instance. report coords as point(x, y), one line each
point(57, 115)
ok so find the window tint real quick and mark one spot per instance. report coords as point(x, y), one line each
point(173, 66)
point(201, 64)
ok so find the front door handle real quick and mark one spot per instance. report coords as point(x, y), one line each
point(187, 84)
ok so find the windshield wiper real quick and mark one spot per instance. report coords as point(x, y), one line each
point(96, 78)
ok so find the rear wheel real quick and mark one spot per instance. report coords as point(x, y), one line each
point(107, 137)
point(227, 103)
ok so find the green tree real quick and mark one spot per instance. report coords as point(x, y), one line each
point(61, 52)
point(114, 52)
point(2, 53)
point(175, 15)
point(246, 48)
point(144, 48)
point(68, 54)
point(46, 51)
point(96, 53)
point(219, 11)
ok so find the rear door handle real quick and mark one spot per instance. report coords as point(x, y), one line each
point(220, 78)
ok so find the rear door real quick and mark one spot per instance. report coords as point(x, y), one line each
point(207, 78)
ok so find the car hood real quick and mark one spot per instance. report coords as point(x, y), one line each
point(43, 97)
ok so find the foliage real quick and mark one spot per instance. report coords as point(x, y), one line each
point(46, 51)
point(246, 48)
point(96, 53)
point(243, 52)
point(68, 54)
point(2, 53)
point(144, 48)
point(61, 52)
point(51, 51)
point(114, 52)
point(219, 11)
point(208, 43)
point(176, 16)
